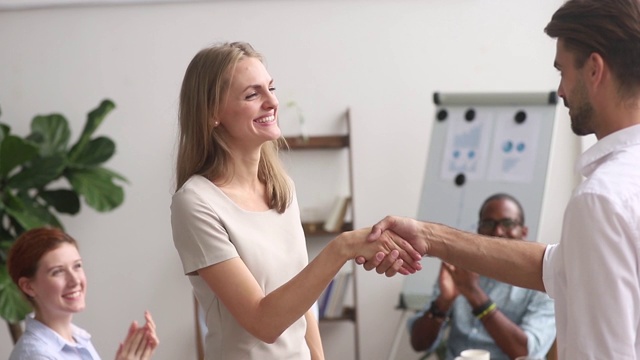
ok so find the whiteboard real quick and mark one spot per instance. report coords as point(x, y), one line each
point(481, 144)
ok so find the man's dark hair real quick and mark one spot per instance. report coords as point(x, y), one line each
point(610, 28)
point(501, 196)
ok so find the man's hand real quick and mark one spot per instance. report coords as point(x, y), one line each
point(405, 233)
point(465, 281)
point(448, 289)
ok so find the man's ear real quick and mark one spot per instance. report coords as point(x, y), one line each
point(525, 231)
point(596, 67)
point(25, 285)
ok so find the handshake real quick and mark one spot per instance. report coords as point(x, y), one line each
point(400, 244)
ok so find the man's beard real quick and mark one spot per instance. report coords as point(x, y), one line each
point(582, 113)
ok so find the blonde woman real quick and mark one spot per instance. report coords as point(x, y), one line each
point(235, 218)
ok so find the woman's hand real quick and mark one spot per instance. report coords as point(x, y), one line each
point(141, 341)
point(388, 247)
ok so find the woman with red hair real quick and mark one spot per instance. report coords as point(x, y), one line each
point(45, 265)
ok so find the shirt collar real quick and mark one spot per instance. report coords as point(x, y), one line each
point(591, 158)
point(83, 338)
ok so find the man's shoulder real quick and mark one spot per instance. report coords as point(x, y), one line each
point(617, 177)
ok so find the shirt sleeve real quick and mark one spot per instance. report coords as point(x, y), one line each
point(539, 324)
point(548, 270)
point(198, 232)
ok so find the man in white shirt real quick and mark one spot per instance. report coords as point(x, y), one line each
point(593, 273)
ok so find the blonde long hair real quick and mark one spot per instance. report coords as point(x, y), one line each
point(203, 149)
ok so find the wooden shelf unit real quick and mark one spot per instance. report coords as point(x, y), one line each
point(348, 314)
point(340, 142)
point(318, 142)
point(317, 229)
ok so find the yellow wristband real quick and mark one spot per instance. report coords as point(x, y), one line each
point(486, 311)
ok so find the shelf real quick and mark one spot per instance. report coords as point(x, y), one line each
point(340, 143)
point(318, 142)
point(317, 228)
point(348, 314)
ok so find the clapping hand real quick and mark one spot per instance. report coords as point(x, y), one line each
point(465, 281)
point(141, 341)
point(448, 289)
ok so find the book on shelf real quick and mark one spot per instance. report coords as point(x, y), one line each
point(323, 300)
point(336, 217)
point(331, 302)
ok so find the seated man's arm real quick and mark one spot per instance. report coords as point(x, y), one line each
point(425, 329)
point(506, 334)
point(539, 324)
point(509, 337)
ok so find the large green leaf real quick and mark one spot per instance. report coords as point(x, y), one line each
point(97, 187)
point(5, 245)
point(94, 119)
point(4, 131)
point(51, 133)
point(96, 152)
point(14, 151)
point(4, 234)
point(113, 174)
point(23, 213)
point(64, 201)
point(13, 306)
point(41, 211)
point(39, 173)
point(6, 240)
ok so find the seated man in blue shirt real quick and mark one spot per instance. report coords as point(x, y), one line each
point(483, 313)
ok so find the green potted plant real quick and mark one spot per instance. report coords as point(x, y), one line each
point(42, 176)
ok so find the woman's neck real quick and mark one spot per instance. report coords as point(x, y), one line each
point(60, 324)
point(242, 171)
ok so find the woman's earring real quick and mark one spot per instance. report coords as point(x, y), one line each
point(216, 123)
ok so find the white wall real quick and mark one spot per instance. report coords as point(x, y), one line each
point(382, 58)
